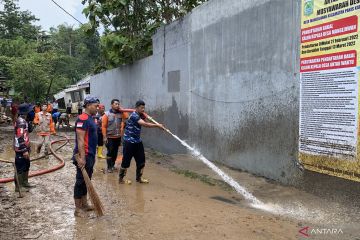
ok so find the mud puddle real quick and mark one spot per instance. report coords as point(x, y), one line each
point(184, 200)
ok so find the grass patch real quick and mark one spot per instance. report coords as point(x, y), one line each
point(155, 153)
point(203, 178)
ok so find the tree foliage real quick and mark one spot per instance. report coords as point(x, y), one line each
point(15, 23)
point(129, 24)
point(33, 60)
point(77, 47)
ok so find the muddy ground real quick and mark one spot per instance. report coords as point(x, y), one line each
point(184, 200)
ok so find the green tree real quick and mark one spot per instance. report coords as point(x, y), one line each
point(5, 63)
point(39, 75)
point(75, 43)
point(129, 24)
point(15, 23)
point(30, 76)
point(17, 47)
point(39, 64)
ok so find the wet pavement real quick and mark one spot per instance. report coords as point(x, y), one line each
point(184, 200)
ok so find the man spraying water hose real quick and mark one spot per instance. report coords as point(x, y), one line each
point(85, 147)
point(133, 146)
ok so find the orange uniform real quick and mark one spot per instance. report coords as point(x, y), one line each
point(45, 122)
point(113, 124)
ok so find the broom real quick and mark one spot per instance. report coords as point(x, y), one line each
point(94, 197)
point(17, 180)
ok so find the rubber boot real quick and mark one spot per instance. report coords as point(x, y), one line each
point(122, 174)
point(139, 173)
point(79, 211)
point(100, 152)
point(38, 148)
point(26, 181)
point(17, 185)
point(20, 184)
point(109, 169)
point(47, 151)
point(85, 205)
point(113, 164)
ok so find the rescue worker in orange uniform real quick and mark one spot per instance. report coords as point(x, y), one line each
point(113, 123)
point(45, 127)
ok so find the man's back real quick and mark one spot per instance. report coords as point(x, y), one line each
point(3, 102)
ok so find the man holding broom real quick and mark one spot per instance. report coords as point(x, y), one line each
point(84, 153)
point(133, 146)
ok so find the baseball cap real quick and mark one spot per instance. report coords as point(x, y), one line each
point(90, 100)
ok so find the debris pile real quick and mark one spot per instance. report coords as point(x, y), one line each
point(4, 119)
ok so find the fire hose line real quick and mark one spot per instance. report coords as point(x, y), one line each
point(44, 171)
point(59, 158)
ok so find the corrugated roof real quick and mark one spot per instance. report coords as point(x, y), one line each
point(83, 83)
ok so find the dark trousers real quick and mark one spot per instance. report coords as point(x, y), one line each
point(100, 139)
point(135, 150)
point(112, 151)
point(22, 164)
point(80, 189)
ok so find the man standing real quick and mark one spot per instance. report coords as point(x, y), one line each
point(3, 105)
point(14, 110)
point(80, 107)
point(98, 119)
point(84, 153)
point(45, 128)
point(69, 108)
point(113, 122)
point(55, 106)
point(133, 146)
point(22, 148)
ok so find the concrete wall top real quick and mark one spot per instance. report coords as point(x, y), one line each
point(219, 9)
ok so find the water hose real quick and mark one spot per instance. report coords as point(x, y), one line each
point(154, 121)
point(51, 153)
point(127, 110)
point(58, 157)
point(44, 171)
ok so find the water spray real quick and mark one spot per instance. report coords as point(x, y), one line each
point(229, 180)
